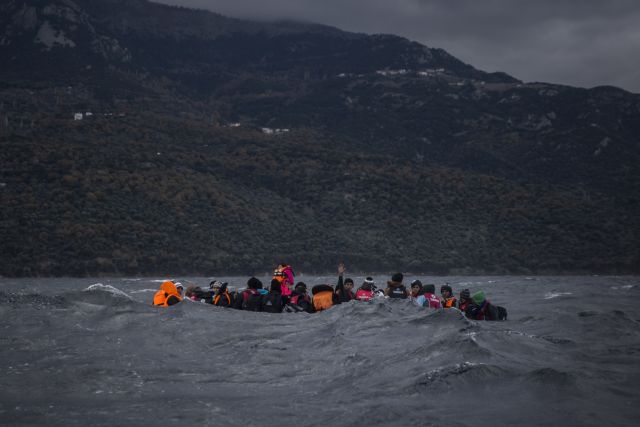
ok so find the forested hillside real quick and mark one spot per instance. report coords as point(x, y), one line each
point(139, 138)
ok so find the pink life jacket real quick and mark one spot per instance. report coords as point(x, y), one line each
point(363, 295)
point(286, 277)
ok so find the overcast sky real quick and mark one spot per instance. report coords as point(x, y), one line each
point(576, 42)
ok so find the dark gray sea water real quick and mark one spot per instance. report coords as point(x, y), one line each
point(79, 352)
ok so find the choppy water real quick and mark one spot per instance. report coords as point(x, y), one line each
point(95, 352)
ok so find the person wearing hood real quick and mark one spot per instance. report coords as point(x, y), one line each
point(426, 296)
point(395, 288)
point(481, 309)
point(273, 302)
point(221, 296)
point(167, 295)
point(366, 291)
point(344, 289)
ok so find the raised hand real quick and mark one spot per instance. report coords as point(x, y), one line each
point(341, 269)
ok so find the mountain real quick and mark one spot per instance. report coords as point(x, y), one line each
point(206, 144)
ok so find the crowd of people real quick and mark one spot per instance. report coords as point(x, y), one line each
point(284, 294)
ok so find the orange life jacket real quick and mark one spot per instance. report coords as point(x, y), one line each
point(217, 298)
point(323, 300)
point(450, 302)
point(167, 289)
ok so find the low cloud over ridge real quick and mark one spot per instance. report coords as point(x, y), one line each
point(576, 42)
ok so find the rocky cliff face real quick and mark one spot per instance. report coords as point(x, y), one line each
point(368, 141)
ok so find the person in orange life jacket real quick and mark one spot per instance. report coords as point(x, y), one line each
point(465, 300)
point(273, 302)
point(427, 297)
point(367, 290)
point(221, 296)
point(322, 297)
point(249, 299)
point(344, 290)
point(481, 309)
point(300, 300)
point(448, 300)
point(395, 288)
point(167, 295)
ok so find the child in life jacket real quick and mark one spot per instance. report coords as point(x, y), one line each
point(285, 275)
point(300, 300)
point(427, 297)
point(446, 294)
point(366, 291)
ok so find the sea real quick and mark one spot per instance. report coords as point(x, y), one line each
point(95, 352)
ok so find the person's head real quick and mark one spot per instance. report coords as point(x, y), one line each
point(179, 287)
point(301, 288)
point(478, 298)
point(368, 284)
point(429, 288)
point(416, 287)
point(397, 278)
point(465, 294)
point(215, 285)
point(275, 286)
point(348, 284)
point(254, 283)
point(446, 291)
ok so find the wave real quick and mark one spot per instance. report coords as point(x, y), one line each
point(99, 287)
point(551, 295)
point(464, 373)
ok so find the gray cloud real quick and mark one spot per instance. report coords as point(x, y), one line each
point(576, 42)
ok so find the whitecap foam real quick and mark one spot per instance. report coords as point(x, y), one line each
point(107, 288)
point(623, 287)
point(550, 295)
